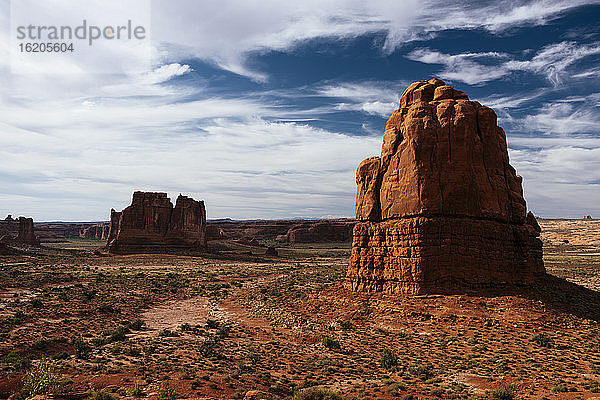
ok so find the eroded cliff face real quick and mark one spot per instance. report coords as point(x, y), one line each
point(441, 209)
point(152, 224)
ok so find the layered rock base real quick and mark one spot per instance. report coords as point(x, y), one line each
point(442, 255)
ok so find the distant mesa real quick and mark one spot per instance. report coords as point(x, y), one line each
point(19, 231)
point(319, 232)
point(441, 210)
point(151, 224)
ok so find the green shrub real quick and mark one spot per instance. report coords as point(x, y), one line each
point(168, 333)
point(135, 391)
point(396, 388)
point(82, 349)
point(541, 339)
point(166, 392)
point(40, 344)
point(212, 324)
point(16, 361)
point(89, 294)
point(316, 393)
point(331, 343)
point(108, 309)
point(133, 352)
point(60, 356)
point(135, 325)
point(36, 303)
point(346, 325)
point(389, 359)
point(17, 318)
point(506, 392)
point(40, 380)
point(560, 388)
point(115, 335)
point(185, 327)
point(101, 395)
point(423, 372)
point(223, 331)
point(209, 348)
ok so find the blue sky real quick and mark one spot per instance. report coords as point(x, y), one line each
point(265, 108)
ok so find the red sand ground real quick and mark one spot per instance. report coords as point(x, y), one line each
point(216, 328)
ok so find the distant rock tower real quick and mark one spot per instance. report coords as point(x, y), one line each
point(19, 231)
point(441, 210)
point(151, 224)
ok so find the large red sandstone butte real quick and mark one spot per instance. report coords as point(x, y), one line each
point(441, 210)
point(152, 224)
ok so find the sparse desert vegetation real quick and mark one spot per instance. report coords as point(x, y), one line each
point(219, 327)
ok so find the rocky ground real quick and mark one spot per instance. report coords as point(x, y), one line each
point(220, 326)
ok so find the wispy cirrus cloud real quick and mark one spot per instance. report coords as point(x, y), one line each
point(552, 62)
point(282, 26)
point(565, 117)
point(463, 67)
point(376, 98)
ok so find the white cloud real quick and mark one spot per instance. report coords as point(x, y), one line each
point(591, 73)
point(222, 32)
point(234, 166)
point(497, 102)
point(462, 67)
point(551, 61)
point(375, 98)
point(165, 73)
point(561, 176)
point(563, 119)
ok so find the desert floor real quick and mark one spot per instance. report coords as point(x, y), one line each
point(215, 327)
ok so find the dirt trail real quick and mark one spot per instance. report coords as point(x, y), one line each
point(197, 310)
point(175, 313)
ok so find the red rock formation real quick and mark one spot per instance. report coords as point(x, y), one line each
point(305, 231)
point(26, 232)
point(97, 231)
point(441, 210)
point(5, 250)
point(24, 229)
point(8, 228)
point(151, 224)
point(213, 232)
point(319, 232)
point(115, 221)
point(54, 232)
